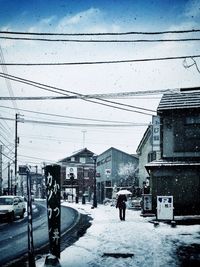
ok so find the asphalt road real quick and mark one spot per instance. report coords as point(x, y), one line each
point(13, 236)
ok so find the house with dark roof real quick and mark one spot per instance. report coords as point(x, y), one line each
point(77, 173)
point(177, 172)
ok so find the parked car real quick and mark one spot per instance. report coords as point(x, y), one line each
point(11, 207)
point(134, 203)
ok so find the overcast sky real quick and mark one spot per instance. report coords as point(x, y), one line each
point(46, 142)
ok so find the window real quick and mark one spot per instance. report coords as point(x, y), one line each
point(108, 183)
point(187, 134)
point(82, 160)
point(151, 156)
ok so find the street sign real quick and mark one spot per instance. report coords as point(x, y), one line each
point(52, 175)
point(165, 209)
point(22, 169)
point(156, 133)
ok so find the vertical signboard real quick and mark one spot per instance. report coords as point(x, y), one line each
point(156, 133)
point(165, 209)
point(52, 176)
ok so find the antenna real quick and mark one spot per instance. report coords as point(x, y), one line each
point(84, 131)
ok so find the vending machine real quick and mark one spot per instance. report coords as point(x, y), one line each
point(165, 208)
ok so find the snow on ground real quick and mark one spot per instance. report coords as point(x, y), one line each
point(151, 246)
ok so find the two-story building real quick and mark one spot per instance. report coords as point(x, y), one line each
point(77, 173)
point(177, 173)
point(115, 168)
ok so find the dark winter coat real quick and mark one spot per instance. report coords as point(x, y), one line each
point(121, 202)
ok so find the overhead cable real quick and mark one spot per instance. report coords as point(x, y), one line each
point(81, 96)
point(8, 84)
point(100, 41)
point(64, 116)
point(78, 124)
point(102, 33)
point(7, 156)
point(101, 62)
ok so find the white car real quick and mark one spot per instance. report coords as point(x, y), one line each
point(11, 207)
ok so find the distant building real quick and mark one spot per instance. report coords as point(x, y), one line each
point(38, 188)
point(146, 154)
point(177, 172)
point(110, 164)
point(77, 173)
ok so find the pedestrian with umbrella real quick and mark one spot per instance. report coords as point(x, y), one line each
point(121, 203)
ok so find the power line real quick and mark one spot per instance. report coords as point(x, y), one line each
point(8, 84)
point(33, 157)
point(101, 33)
point(64, 116)
point(101, 62)
point(5, 129)
point(78, 124)
point(5, 139)
point(83, 97)
point(7, 156)
point(100, 41)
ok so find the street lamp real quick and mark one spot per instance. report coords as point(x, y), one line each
point(95, 193)
point(83, 190)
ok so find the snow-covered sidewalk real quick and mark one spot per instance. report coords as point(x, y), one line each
point(151, 246)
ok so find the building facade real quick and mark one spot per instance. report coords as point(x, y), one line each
point(38, 187)
point(77, 174)
point(177, 173)
point(146, 153)
point(114, 168)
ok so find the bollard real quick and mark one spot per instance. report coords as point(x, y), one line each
point(173, 224)
point(51, 260)
point(83, 199)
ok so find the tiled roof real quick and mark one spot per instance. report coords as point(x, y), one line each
point(179, 101)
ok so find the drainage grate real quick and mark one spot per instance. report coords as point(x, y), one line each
point(118, 255)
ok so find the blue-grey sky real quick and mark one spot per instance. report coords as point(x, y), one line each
point(129, 13)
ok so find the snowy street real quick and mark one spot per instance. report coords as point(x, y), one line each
point(151, 246)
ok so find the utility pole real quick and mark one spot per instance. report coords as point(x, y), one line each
point(16, 143)
point(95, 188)
point(8, 178)
point(11, 186)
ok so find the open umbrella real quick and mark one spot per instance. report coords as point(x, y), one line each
point(124, 192)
